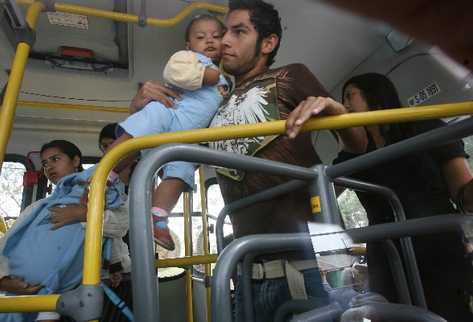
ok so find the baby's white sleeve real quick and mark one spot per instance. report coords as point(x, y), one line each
point(185, 70)
point(48, 316)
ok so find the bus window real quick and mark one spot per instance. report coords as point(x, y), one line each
point(11, 189)
point(353, 213)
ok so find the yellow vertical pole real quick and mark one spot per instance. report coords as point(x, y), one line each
point(188, 252)
point(205, 233)
point(3, 225)
point(7, 112)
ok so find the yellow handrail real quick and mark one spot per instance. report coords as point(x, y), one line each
point(205, 241)
point(92, 251)
point(124, 17)
point(186, 261)
point(72, 107)
point(7, 113)
point(188, 252)
point(31, 303)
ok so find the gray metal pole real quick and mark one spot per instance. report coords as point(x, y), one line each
point(143, 273)
point(390, 312)
point(145, 288)
point(322, 188)
point(233, 253)
point(245, 202)
point(423, 141)
point(408, 252)
point(397, 271)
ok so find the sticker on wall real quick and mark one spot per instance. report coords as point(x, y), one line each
point(68, 20)
point(424, 94)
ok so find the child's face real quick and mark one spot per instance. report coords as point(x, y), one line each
point(205, 37)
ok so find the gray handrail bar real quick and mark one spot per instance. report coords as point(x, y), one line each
point(390, 311)
point(145, 288)
point(233, 253)
point(408, 252)
point(397, 271)
point(247, 201)
point(396, 205)
point(393, 151)
point(320, 314)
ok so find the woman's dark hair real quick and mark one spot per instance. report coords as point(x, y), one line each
point(265, 18)
point(66, 147)
point(202, 17)
point(380, 93)
point(108, 131)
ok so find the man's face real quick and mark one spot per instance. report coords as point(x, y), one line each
point(239, 44)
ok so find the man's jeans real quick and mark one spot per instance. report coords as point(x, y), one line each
point(268, 295)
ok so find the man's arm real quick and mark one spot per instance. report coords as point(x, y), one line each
point(309, 98)
point(211, 76)
point(459, 181)
point(354, 139)
point(152, 91)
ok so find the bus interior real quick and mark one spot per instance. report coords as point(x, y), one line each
point(83, 70)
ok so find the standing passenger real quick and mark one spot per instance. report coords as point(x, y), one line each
point(427, 183)
point(262, 94)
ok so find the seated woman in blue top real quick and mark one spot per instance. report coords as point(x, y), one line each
point(43, 251)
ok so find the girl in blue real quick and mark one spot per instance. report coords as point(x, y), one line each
point(195, 74)
point(43, 251)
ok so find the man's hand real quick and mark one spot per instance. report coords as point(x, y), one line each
point(18, 286)
point(311, 106)
point(153, 91)
point(67, 215)
point(115, 279)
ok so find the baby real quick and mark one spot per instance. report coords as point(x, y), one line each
point(195, 74)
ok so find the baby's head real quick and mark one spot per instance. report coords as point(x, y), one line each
point(204, 35)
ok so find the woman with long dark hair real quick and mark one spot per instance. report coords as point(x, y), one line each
point(433, 182)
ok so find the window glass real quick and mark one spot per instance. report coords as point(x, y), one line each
point(353, 213)
point(11, 189)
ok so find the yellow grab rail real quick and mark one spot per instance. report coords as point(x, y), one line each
point(186, 261)
point(7, 112)
point(30, 303)
point(205, 242)
point(188, 252)
point(124, 17)
point(72, 107)
point(92, 251)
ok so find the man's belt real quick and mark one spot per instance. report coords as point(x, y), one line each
point(278, 268)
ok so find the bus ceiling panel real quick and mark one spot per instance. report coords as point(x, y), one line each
point(432, 78)
point(24, 140)
point(330, 42)
point(7, 50)
point(422, 74)
point(66, 115)
point(151, 47)
point(56, 29)
point(42, 82)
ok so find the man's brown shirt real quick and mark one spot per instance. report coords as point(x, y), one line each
point(267, 97)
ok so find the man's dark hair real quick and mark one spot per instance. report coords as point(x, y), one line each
point(265, 18)
point(108, 131)
point(66, 147)
point(202, 17)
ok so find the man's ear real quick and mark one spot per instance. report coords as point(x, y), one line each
point(188, 47)
point(76, 162)
point(269, 44)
